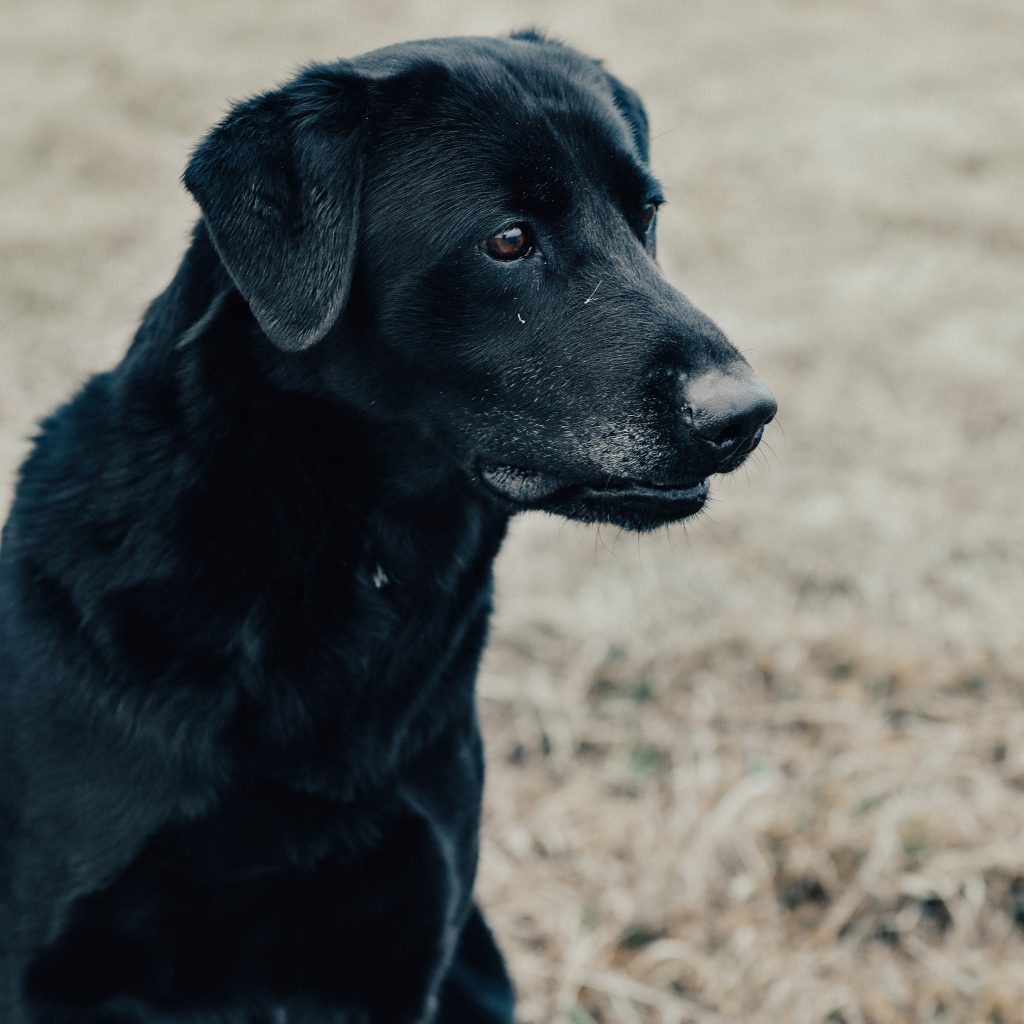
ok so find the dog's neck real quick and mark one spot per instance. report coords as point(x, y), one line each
point(259, 559)
point(272, 535)
point(200, 352)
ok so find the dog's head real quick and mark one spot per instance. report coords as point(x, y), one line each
point(459, 237)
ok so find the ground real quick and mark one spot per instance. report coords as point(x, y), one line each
point(766, 768)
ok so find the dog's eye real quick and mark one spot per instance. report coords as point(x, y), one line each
point(647, 218)
point(509, 244)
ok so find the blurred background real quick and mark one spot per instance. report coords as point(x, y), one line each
point(768, 767)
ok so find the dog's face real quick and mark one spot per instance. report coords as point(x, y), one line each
point(459, 236)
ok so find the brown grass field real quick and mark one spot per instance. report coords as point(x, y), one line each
point(769, 768)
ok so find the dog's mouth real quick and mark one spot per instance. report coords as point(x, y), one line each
point(602, 497)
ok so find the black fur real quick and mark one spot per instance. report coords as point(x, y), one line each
point(246, 578)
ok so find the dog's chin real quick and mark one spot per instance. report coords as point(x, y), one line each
point(631, 504)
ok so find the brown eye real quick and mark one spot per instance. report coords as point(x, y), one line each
point(510, 244)
point(647, 217)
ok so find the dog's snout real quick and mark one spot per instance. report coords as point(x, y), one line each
point(727, 410)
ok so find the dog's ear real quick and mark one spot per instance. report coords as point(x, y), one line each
point(629, 105)
point(279, 183)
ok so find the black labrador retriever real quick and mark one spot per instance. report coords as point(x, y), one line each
point(246, 578)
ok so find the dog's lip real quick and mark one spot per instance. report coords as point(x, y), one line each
point(530, 487)
point(523, 486)
point(674, 492)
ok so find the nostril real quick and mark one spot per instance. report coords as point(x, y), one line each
point(732, 434)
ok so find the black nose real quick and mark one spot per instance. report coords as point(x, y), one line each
point(728, 410)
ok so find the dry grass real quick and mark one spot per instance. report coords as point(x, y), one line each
point(767, 769)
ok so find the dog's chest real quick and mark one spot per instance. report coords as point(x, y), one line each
point(250, 897)
point(372, 663)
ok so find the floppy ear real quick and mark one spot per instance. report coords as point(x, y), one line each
point(629, 105)
point(278, 182)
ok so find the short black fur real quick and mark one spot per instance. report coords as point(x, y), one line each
point(245, 581)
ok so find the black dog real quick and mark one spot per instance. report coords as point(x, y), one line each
point(246, 578)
